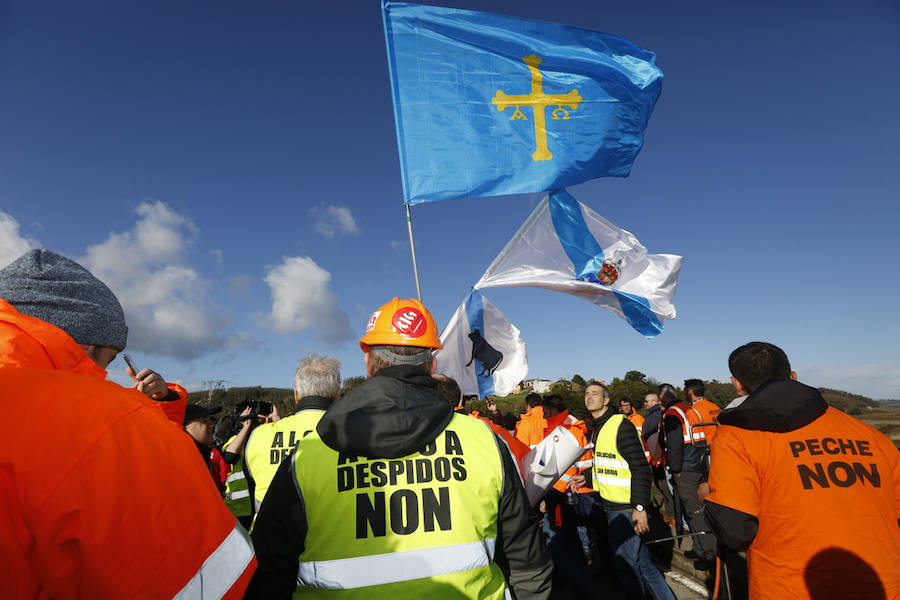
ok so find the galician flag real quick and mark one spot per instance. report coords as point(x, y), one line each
point(487, 104)
point(567, 247)
point(482, 351)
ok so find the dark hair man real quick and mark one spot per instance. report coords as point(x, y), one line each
point(394, 494)
point(686, 458)
point(812, 494)
point(530, 428)
point(632, 415)
point(621, 479)
point(105, 498)
point(694, 392)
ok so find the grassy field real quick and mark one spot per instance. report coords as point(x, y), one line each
point(885, 420)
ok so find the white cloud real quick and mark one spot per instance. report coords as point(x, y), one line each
point(878, 381)
point(164, 299)
point(301, 300)
point(400, 247)
point(217, 256)
point(333, 220)
point(12, 243)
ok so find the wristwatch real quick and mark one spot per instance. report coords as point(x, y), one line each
point(639, 507)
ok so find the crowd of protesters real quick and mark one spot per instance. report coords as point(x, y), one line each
point(397, 489)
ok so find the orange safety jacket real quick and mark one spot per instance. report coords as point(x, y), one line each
point(516, 448)
point(530, 428)
point(688, 416)
point(636, 420)
point(102, 496)
point(174, 409)
point(827, 500)
point(709, 413)
point(579, 430)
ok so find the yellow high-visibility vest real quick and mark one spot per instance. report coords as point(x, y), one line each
point(271, 443)
point(419, 526)
point(611, 477)
point(237, 489)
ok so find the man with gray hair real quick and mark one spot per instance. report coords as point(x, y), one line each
point(317, 384)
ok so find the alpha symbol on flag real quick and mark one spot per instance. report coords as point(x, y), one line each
point(538, 101)
point(409, 322)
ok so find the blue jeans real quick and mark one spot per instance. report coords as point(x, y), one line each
point(636, 572)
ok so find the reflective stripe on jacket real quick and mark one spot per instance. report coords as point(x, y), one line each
point(382, 527)
point(105, 498)
point(611, 475)
point(688, 417)
point(237, 488)
point(271, 443)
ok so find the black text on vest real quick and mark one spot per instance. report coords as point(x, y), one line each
point(280, 450)
point(839, 473)
point(412, 507)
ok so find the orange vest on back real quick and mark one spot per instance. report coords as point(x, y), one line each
point(827, 497)
point(104, 497)
point(530, 428)
point(709, 413)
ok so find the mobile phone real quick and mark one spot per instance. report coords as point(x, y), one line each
point(130, 363)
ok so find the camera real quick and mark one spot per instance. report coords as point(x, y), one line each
point(257, 408)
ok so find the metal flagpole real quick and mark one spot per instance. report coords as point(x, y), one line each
point(412, 248)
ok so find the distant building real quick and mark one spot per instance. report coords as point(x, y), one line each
point(540, 386)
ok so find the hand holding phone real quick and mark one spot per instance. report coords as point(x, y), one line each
point(130, 363)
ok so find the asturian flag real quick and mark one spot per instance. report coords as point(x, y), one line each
point(482, 351)
point(567, 247)
point(487, 104)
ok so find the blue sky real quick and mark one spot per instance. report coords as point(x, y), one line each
point(231, 171)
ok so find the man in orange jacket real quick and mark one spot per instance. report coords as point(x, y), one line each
point(101, 496)
point(812, 494)
point(530, 428)
point(632, 415)
point(694, 396)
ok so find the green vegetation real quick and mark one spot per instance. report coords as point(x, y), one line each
point(852, 404)
point(634, 385)
point(282, 398)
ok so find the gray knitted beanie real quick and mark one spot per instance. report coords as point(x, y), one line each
point(58, 290)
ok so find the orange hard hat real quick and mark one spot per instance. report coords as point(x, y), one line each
point(401, 322)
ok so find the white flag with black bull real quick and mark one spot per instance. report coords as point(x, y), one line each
point(482, 351)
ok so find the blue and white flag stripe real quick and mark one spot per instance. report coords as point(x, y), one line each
point(475, 314)
point(497, 341)
point(587, 257)
point(563, 245)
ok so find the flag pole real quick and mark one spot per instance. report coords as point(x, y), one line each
point(412, 249)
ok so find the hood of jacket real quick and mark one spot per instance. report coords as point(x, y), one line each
point(779, 406)
point(395, 413)
point(31, 343)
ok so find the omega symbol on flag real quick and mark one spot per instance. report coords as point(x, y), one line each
point(538, 101)
point(409, 322)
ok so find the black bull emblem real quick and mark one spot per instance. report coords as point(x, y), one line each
point(489, 356)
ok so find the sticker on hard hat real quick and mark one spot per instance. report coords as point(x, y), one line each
point(409, 322)
point(372, 320)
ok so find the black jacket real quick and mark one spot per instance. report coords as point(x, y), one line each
point(629, 446)
point(779, 406)
point(393, 414)
point(679, 455)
